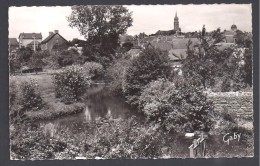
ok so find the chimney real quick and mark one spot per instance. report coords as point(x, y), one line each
point(50, 33)
point(56, 31)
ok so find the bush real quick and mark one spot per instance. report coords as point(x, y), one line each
point(94, 70)
point(30, 96)
point(12, 92)
point(176, 107)
point(150, 65)
point(70, 83)
point(68, 57)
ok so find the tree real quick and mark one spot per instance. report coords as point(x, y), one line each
point(127, 46)
point(36, 61)
point(69, 57)
point(101, 26)
point(150, 65)
point(24, 54)
point(201, 60)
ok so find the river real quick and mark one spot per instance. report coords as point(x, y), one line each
point(99, 104)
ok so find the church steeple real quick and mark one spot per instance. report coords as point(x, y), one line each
point(176, 22)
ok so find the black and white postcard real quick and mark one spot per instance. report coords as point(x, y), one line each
point(131, 82)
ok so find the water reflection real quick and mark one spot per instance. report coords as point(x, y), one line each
point(98, 105)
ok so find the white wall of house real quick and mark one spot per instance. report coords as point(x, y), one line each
point(25, 42)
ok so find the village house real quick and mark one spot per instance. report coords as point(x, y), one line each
point(13, 46)
point(230, 34)
point(32, 40)
point(54, 39)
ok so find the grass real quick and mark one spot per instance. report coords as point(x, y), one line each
point(53, 106)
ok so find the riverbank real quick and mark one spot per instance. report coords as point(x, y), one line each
point(53, 107)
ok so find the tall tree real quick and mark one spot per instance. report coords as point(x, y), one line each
point(101, 25)
point(200, 63)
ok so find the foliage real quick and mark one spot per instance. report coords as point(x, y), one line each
point(201, 60)
point(94, 70)
point(70, 83)
point(115, 74)
point(101, 26)
point(30, 96)
point(24, 54)
point(13, 89)
point(51, 61)
point(107, 138)
point(23, 97)
point(14, 65)
point(127, 46)
point(150, 65)
point(36, 61)
point(180, 106)
point(208, 61)
point(68, 57)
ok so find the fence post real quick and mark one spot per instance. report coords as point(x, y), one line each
point(195, 144)
point(192, 152)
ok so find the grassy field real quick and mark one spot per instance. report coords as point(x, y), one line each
point(53, 106)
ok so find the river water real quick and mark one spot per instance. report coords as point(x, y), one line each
point(99, 104)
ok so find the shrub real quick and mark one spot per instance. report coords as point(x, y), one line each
point(70, 83)
point(93, 69)
point(30, 96)
point(182, 106)
point(125, 139)
point(68, 57)
point(150, 65)
point(12, 92)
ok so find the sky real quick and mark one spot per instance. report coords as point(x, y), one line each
point(146, 18)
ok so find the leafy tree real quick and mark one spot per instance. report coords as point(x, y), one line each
point(24, 54)
point(68, 57)
point(127, 46)
point(101, 26)
point(180, 106)
point(150, 65)
point(201, 60)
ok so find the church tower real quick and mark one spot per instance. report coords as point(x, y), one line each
point(176, 22)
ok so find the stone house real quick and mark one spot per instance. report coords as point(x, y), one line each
point(54, 39)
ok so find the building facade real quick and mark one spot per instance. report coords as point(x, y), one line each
point(54, 39)
point(27, 39)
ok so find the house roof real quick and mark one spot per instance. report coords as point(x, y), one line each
point(162, 45)
point(182, 43)
point(13, 42)
point(30, 35)
point(147, 39)
point(50, 37)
